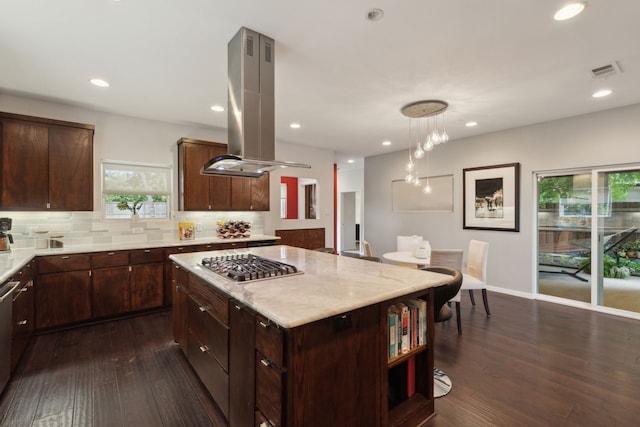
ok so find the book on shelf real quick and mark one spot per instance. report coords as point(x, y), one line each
point(421, 319)
point(392, 318)
point(404, 338)
point(411, 376)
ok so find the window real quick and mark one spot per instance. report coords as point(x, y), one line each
point(130, 188)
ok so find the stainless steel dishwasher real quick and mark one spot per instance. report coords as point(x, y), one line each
point(6, 309)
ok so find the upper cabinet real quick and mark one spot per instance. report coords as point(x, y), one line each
point(46, 164)
point(217, 193)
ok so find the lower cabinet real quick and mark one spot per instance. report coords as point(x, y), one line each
point(63, 290)
point(23, 314)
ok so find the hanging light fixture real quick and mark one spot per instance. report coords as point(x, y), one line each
point(426, 111)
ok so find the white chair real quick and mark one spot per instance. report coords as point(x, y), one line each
point(367, 248)
point(450, 258)
point(476, 275)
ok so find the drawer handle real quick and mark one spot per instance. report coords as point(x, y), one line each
point(204, 348)
point(111, 253)
point(24, 289)
point(146, 251)
point(237, 307)
point(266, 424)
point(64, 257)
point(22, 323)
point(264, 325)
point(265, 362)
point(202, 308)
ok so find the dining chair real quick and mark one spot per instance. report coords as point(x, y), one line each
point(450, 258)
point(475, 276)
point(367, 248)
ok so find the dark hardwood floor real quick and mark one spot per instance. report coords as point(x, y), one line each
point(531, 363)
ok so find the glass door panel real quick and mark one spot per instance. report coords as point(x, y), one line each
point(564, 236)
point(618, 284)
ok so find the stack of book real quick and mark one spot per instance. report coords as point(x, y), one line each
point(407, 322)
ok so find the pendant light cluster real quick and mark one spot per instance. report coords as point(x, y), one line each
point(426, 130)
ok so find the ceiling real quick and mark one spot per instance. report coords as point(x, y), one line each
point(502, 63)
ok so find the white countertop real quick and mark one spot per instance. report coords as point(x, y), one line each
point(330, 285)
point(11, 262)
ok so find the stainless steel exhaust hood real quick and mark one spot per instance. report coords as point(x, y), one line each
point(251, 106)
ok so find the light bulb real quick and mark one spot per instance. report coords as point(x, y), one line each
point(416, 182)
point(445, 136)
point(419, 153)
point(435, 137)
point(427, 189)
point(428, 146)
point(409, 178)
point(409, 166)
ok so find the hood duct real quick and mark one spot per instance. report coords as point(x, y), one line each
point(251, 107)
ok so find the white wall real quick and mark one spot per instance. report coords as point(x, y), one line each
point(605, 138)
point(128, 138)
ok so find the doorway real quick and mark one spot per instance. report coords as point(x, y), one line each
point(350, 222)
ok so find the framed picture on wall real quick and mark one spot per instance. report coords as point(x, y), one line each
point(491, 197)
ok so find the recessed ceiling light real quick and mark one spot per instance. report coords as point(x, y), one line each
point(99, 82)
point(375, 14)
point(386, 143)
point(217, 108)
point(351, 161)
point(471, 124)
point(602, 93)
point(294, 125)
point(569, 11)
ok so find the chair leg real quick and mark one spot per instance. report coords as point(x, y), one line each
point(458, 318)
point(486, 302)
point(473, 300)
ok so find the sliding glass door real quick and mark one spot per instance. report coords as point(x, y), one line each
point(589, 238)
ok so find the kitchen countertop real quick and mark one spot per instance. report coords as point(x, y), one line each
point(11, 262)
point(330, 285)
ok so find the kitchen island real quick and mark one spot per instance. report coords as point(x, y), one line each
point(308, 349)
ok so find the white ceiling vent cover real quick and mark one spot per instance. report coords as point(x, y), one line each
point(605, 71)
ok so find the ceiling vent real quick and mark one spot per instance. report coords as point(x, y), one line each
point(605, 71)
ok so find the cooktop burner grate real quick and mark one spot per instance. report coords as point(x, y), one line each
point(248, 267)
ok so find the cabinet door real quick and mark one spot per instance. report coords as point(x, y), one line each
point(241, 194)
point(260, 193)
point(62, 298)
point(70, 168)
point(146, 286)
point(110, 293)
point(219, 186)
point(22, 326)
point(179, 312)
point(24, 176)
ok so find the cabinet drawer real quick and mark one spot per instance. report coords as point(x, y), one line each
point(109, 259)
point(212, 334)
point(269, 340)
point(211, 374)
point(233, 245)
point(146, 256)
point(217, 304)
point(61, 263)
point(180, 276)
point(269, 389)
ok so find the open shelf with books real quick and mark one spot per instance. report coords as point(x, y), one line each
point(410, 365)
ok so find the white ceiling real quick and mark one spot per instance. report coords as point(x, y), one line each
point(502, 63)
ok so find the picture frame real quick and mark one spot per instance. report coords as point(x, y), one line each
point(491, 197)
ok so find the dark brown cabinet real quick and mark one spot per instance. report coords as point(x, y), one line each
point(218, 193)
point(308, 238)
point(46, 164)
point(63, 290)
point(23, 314)
point(180, 284)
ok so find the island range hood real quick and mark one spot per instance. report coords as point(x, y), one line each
point(251, 106)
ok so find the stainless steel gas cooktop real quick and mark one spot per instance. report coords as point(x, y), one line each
point(248, 267)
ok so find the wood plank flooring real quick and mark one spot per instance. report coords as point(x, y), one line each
point(531, 363)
